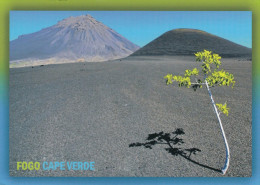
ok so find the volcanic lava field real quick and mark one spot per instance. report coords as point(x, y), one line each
point(107, 112)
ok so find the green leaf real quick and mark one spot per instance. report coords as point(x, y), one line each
point(223, 108)
point(168, 78)
point(220, 78)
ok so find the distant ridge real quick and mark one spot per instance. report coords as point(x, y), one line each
point(189, 41)
point(74, 39)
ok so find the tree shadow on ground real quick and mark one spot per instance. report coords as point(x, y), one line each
point(170, 140)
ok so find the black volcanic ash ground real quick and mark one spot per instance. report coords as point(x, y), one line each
point(94, 111)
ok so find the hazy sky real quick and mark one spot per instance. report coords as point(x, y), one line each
point(141, 27)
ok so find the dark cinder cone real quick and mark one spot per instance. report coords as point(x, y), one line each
point(190, 41)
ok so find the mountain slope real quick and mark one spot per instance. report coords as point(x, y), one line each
point(74, 38)
point(190, 41)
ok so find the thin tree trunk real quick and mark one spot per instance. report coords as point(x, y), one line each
point(224, 169)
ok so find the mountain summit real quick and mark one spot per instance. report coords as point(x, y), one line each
point(189, 41)
point(73, 39)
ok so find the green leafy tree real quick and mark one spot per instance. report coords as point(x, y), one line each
point(210, 76)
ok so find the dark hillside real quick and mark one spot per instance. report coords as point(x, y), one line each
point(190, 41)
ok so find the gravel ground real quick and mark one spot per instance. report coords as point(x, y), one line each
point(101, 111)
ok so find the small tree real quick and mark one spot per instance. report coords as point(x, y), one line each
point(213, 77)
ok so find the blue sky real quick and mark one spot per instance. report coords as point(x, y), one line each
point(141, 27)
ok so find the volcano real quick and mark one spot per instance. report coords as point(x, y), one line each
point(73, 39)
point(190, 41)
